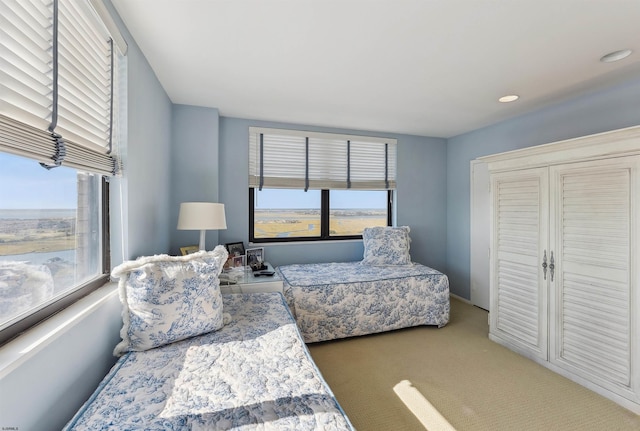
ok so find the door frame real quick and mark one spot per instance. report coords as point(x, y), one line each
point(479, 238)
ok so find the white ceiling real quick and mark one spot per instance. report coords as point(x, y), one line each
point(422, 67)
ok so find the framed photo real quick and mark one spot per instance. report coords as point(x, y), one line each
point(255, 258)
point(189, 249)
point(237, 261)
point(235, 248)
point(228, 264)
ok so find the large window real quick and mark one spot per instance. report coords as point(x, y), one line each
point(318, 186)
point(59, 98)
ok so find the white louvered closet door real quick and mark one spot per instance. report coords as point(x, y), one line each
point(593, 230)
point(520, 233)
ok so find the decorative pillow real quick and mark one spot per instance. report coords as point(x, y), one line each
point(386, 246)
point(169, 298)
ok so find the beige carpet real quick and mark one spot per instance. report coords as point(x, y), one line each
point(471, 383)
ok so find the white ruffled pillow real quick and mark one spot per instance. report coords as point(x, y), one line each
point(169, 298)
point(386, 246)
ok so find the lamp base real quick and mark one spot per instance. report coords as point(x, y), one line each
point(202, 235)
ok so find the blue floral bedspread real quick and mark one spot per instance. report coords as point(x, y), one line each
point(337, 300)
point(253, 374)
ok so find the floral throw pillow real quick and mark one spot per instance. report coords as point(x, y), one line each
point(169, 298)
point(386, 246)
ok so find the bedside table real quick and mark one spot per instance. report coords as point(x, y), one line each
point(252, 284)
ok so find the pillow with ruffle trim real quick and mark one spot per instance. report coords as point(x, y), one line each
point(386, 246)
point(169, 298)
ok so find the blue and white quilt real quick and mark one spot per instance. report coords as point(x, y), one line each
point(338, 300)
point(253, 374)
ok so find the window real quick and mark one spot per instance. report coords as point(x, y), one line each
point(279, 215)
point(286, 213)
point(350, 211)
point(318, 186)
point(51, 238)
point(58, 146)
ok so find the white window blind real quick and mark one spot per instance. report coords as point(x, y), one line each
point(57, 95)
point(294, 159)
point(26, 68)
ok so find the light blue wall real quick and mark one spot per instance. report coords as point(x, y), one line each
point(420, 202)
point(194, 169)
point(148, 159)
point(601, 111)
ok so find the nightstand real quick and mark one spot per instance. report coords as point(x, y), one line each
point(250, 283)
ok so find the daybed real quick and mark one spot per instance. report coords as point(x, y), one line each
point(383, 292)
point(253, 372)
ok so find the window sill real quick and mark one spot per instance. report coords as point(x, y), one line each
point(26, 345)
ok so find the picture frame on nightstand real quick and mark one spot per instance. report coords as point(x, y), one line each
point(255, 258)
point(238, 261)
point(189, 249)
point(235, 248)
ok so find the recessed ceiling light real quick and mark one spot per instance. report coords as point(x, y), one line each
point(615, 56)
point(509, 98)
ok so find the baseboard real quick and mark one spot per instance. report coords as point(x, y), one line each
point(460, 298)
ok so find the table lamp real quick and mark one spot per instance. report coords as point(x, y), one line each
point(201, 216)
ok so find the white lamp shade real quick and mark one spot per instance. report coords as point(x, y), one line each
point(201, 216)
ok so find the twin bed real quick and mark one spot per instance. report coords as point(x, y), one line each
point(254, 373)
point(338, 300)
point(382, 292)
point(194, 359)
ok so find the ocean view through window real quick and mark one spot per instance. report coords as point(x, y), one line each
point(50, 240)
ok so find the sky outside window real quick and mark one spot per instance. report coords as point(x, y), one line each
point(24, 184)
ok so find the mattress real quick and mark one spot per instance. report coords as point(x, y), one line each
point(254, 373)
point(338, 300)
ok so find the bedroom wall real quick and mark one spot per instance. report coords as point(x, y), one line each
point(609, 109)
point(420, 201)
point(47, 373)
point(148, 159)
point(194, 169)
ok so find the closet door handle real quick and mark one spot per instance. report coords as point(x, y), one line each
point(552, 266)
point(544, 264)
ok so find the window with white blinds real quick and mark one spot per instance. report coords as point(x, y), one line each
point(294, 159)
point(57, 95)
point(62, 80)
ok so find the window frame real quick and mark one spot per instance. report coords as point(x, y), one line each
point(324, 221)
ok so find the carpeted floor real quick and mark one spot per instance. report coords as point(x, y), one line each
point(474, 383)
